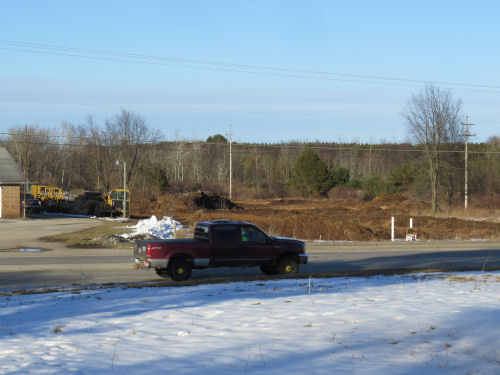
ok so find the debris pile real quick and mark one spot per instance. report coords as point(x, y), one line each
point(181, 204)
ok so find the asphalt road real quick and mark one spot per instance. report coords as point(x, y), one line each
point(22, 266)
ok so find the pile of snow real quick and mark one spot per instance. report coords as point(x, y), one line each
point(152, 227)
point(420, 324)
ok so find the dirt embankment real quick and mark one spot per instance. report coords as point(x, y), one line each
point(324, 219)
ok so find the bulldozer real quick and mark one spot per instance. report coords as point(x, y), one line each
point(114, 198)
point(93, 203)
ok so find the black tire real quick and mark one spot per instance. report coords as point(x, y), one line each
point(179, 270)
point(287, 266)
point(161, 272)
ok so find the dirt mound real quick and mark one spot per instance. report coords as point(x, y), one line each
point(324, 219)
point(395, 202)
point(172, 205)
point(208, 201)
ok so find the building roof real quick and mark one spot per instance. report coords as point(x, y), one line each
point(10, 173)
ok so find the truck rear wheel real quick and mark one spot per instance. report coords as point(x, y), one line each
point(179, 270)
point(288, 266)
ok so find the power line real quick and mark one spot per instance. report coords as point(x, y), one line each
point(188, 150)
point(162, 145)
point(196, 109)
point(171, 108)
point(225, 66)
point(213, 68)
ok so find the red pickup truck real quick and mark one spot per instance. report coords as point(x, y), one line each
point(221, 244)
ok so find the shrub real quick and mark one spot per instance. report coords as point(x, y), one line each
point(339, 176)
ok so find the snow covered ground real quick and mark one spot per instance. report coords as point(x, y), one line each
point(420, 324)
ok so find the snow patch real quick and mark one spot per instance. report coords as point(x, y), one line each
point(161, 229)
point(442, 324)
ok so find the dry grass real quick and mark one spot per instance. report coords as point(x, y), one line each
point(480, 214)
point(474, 279)
point(85, 238)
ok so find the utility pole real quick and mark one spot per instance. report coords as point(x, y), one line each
point(124, 211)
point(25, 166)
point(124, 189)
point(230, 165)
point(466, 135)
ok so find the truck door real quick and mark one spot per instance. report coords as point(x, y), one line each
point(256, 248)
point(227, 240)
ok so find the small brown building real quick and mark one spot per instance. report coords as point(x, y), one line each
point(11, 180)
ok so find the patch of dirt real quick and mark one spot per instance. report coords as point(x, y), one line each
point(323, 219)
point(180, 204)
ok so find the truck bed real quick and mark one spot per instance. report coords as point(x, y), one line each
point(158, 247)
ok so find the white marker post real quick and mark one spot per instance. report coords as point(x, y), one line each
point(411, 222)
point(392, 228)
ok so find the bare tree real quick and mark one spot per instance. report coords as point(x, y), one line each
point(33, 144)
point(130, 135)
point(433, 120)
point(196, 162)
point(180, 156)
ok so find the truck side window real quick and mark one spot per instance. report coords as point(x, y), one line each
point(201, 233)
point(226, 234)
point(252, 234)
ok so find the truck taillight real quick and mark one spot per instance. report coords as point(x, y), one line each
point(149, 251)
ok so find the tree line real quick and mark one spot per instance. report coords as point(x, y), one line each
point(84, 157)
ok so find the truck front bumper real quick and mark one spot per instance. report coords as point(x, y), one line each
point(303, 258)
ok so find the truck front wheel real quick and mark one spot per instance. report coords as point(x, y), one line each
point(179, 270)
point(287, 266)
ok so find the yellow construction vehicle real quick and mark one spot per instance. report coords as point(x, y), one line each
point(43, 192)
point(87, 203)
point(115, 199)
point(38, 191)
point(51, 198)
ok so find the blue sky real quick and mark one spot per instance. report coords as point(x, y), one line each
point(443, 41)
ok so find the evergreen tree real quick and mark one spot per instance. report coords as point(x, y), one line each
point(340, 176)
point(310, 174)
point(217, 138)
